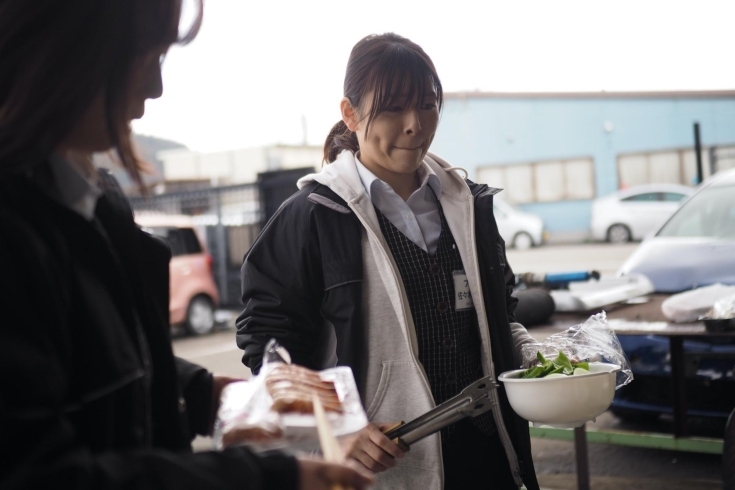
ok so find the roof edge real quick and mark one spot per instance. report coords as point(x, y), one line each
point(673, 94)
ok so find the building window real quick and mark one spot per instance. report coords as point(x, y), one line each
point(546, 181)
point(672, 166)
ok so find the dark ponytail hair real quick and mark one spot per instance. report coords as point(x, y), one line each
point(339, 138)
point(390, 66)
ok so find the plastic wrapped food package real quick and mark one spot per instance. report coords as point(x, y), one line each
point(591, 341)
point(690, 306)
point(274, 410)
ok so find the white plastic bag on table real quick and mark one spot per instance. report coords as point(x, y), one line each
point(246, 417)
point(591, 341)
point(723, 309)
point(690, 306)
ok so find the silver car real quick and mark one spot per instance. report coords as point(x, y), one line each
point(633, 213)
point(519, 229)
point(696, 246)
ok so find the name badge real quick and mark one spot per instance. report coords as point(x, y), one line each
point(462, 294)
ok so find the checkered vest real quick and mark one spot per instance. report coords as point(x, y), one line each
point(448, 340)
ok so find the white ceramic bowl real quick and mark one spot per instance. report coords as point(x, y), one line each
point(570, 401)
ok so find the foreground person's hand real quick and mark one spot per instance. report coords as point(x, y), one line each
point(372, 449)
point(315, 474)
point(218, 384)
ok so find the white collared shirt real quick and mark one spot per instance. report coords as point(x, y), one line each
point(73, 190)
point(418, 217)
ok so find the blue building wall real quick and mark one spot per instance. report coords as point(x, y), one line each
point(478, 130)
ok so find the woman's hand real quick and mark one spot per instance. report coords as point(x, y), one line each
point(318, 475)
point(372, 449)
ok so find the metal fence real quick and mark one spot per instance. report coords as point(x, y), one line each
point(228, 218)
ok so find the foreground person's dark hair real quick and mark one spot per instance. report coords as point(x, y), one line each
point(57, 55)
point(390, 66)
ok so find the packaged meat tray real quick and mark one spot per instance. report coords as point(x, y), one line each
point(274, 410)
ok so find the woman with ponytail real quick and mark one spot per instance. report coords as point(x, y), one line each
point(390, 262)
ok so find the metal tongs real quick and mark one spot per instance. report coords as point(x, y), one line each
point(471, 402)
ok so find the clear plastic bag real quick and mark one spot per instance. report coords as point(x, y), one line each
point(248, 416)
point(591, 341)
point(723, 309)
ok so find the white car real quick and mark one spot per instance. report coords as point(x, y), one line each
point(633, 213)
point(519, 229)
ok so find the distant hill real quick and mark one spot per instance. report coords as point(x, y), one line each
point(147, 148)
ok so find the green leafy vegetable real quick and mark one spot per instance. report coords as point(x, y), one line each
point(560, 365)
point(563, 362)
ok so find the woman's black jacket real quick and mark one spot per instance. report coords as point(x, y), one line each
point(305, 272)
point(91, 395)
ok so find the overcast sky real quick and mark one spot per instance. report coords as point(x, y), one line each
point(259, 67)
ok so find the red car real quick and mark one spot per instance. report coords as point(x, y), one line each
point(194, 295)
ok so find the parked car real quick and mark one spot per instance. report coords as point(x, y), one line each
point(194, 295)
point(633, 213)
point(519, 229)
point(695, 247)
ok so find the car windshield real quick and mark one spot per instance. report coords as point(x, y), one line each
point(183, 241)
point(710, 213)
point(645, 197)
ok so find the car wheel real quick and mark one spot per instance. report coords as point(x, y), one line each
point(618, 234)
point(728, 454)
point(522, 241)
point(200, 316)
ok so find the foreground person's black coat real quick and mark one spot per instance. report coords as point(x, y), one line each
point(91, 395)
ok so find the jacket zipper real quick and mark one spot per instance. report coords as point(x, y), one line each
point(424, 377)
point(497, 414)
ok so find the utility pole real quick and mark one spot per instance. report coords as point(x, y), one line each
point(698, 153)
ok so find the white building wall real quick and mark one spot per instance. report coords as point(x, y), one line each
point(298, 157)
point(247, 163)
point(236, 166)
point(179, 164)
